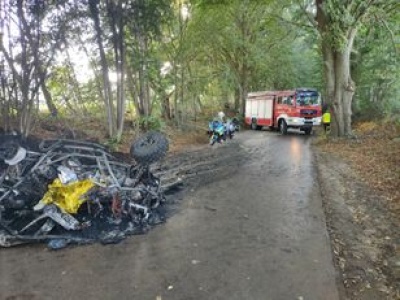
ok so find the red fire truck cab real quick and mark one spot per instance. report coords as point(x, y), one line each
point(299, 108)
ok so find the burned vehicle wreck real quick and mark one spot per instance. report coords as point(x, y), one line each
point(70, 191)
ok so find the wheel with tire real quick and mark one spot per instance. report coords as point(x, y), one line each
point(149, 148)
point(283, 127)
point(8, 150)
point(213, 139)
point(236, 124)
point(253, 125)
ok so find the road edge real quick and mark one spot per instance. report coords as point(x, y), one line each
point(322, 186)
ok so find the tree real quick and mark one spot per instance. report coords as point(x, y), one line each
point(144, 39)
point(338, 22)
point(125, 32)
point(237, 39)
point(107, 92)
point(29, 39)
point(376, 69)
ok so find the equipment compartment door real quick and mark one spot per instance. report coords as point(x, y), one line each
point(265, 112)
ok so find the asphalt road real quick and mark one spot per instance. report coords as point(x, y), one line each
point(253, 228)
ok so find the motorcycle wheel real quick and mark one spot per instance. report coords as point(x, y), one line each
point(213, 139)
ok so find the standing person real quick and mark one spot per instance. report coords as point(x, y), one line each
point(326, 119)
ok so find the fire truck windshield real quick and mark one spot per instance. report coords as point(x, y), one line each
point(307, 98)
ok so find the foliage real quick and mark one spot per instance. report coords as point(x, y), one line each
point(112, 143)
point(215, 53)
point(339, 25)
point(30, 36)
point(151, 123)
point(239, 44)
point(376, 67)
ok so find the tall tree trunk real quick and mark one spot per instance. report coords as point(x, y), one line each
point(117, 26)
point(4, 105)
point(166, 107)
point(148, 103)
point(142, 91)
point(338, 82)
point(243, 88)
point(175, 113)
point(144, 101)
point(24, 82)
point(339, 85)
point(237, 98)
point(133, 91)
point(49, 101)
point(94, 11)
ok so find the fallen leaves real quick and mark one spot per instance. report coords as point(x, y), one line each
point(374, 155)
point(362, 208)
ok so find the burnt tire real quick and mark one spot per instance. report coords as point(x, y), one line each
point(149, 148)
point(8, 150)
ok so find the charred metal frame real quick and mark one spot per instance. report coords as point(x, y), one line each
point(57, 152)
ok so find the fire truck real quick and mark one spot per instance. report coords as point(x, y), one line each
point(298, 108)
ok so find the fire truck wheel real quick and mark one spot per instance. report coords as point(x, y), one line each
point(283, 127)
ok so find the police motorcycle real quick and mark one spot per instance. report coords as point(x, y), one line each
point(216, 132)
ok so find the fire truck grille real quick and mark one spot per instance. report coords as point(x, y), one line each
point(308, 113)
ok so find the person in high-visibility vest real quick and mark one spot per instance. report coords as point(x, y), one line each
point(326, 120)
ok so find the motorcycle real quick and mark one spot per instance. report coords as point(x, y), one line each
point(219, 131)
point(216, 131)
point(235, 122)
point(230, 127)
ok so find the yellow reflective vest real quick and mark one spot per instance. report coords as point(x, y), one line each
point(326, 118)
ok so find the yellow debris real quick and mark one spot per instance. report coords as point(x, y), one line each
point(68, 197)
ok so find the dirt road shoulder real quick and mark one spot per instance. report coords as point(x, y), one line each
point(364, 233)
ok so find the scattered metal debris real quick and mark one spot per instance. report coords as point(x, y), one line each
point(77, 192)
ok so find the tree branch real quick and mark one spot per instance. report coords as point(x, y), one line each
point(310, 19)
point(297, 24)
point(392, 37)
point(10, 62)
